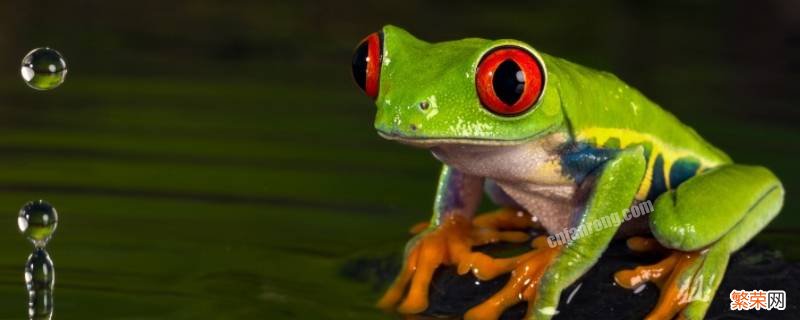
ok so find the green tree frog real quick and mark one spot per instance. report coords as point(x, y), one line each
point(559, 146)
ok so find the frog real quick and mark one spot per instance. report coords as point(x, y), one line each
point(555, 146)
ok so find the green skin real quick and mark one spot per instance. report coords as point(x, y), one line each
point(718, 208)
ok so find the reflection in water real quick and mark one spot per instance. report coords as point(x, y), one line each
point(39, 279)
point(38, 221)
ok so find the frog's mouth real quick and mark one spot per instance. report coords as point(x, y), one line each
point(430, 142)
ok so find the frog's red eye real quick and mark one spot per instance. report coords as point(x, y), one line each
point(367, 63)
point(509, 81)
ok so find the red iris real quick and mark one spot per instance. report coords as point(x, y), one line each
point(367, 64)
point(509, 81)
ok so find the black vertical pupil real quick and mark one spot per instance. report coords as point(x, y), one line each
point(506, 85)
point(360, 64)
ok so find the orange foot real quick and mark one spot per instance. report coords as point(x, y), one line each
point(668, 275)
point(523, 284)
point(451, 244)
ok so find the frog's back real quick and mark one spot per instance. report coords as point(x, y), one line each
point(604, 112)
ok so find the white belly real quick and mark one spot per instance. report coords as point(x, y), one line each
point(529, 173)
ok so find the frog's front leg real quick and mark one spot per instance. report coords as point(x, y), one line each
point(448, 240)
point(541, 278)
point(704, 220)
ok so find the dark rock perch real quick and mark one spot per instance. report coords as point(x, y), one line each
point(596, 296)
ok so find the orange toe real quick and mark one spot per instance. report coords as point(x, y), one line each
point(483, 236)
point(675, 292)
point(668, 275)
point(640, 275)
point(432, 253)
point(642, 244)
point(522, 286)
point(485, 267)
point(393, 295)
point(441, 246)
point(506, 219)
point(450, 244)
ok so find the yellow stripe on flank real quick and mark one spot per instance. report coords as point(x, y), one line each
point(628, 137)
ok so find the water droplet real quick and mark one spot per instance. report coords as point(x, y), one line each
point(39, 280)
point(40, 305)
point(39, 272)
point(38, 220)
point(43, 69)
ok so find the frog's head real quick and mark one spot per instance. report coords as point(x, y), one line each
point(471, 91)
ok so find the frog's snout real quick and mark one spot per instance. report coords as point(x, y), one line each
point(423, 105)
point(407, 119)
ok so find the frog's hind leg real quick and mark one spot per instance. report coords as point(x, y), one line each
point(703, 221)
point(687, 280)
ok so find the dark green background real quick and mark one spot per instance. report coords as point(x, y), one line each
point(213, 160)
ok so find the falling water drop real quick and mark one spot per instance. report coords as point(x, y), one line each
point(39, 280)
point(38, 220)
point(43, 69)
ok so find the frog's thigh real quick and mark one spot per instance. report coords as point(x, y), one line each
point(733, 200)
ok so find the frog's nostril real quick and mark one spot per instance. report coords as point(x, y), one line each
point(413, 127)
point(424, 105)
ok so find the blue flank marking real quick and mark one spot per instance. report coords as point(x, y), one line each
point(581, 159)
point(682, 170)
point(658, 184)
